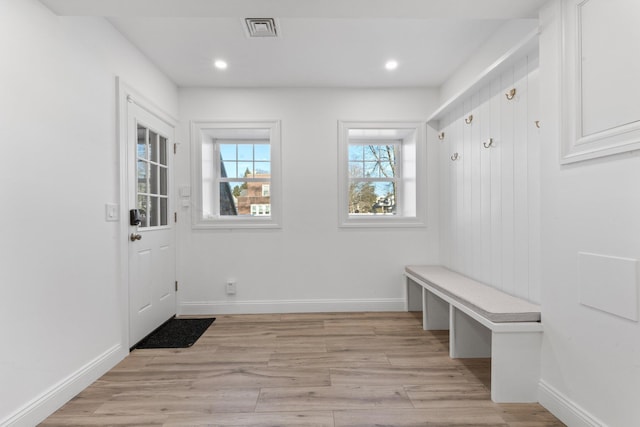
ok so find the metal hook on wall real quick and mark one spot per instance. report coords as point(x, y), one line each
point(488, 143)
point(511, 94)
point(441, 136)
point(537, 122)
point(469, 119)
point(455, 156)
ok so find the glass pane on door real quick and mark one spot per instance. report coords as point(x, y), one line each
point(143, 202)
point(152, 170)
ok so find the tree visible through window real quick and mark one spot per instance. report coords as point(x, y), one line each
point(373, 178)
point(381, 174)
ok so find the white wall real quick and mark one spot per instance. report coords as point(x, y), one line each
point(494, 48)
point(490, 197)
point(310, 264)
point(591, 358)
point(61, 308)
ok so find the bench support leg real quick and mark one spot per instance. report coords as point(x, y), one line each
point(467, 337)
point(435, 312)
point(515, 366)
point(413, 293)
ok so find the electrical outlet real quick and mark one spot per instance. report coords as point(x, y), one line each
point(231, 287)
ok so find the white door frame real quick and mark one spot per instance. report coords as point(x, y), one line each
point(125, 95)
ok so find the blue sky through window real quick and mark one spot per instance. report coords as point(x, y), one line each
point(238, 158)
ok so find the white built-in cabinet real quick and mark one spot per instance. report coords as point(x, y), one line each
point(489, 148)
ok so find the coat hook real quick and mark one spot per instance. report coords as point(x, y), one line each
point(537, 122)
point(488, 143)
point(441, 136)
point(455, 156)
point(511, 94)
point(469, 119)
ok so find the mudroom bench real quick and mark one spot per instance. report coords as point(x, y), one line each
point(483, 322)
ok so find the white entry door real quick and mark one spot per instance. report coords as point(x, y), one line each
point(152, 256)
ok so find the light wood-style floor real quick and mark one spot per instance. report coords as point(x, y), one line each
point(338, 369)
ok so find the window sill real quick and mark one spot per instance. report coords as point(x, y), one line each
point(235, 223)
point(382, 222)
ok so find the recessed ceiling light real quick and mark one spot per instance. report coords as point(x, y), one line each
point(220, 64)
point(391, 65)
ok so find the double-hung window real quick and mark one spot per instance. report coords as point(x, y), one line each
point(381, 174)
point(374, 169)
point(237, 177)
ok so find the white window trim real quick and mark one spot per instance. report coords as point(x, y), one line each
point(417, 129)
point(198, 133)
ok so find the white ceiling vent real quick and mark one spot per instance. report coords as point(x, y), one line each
point(261, 27)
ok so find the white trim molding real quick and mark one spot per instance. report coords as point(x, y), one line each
point(51, 400)
point(290, 306)
point(412, 165)
point(207, 130)
point(564, 408)
point(600, 89)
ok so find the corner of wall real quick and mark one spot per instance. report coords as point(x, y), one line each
point(55, 397)
point(564, 408)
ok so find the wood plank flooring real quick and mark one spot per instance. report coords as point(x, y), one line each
point(303, 370)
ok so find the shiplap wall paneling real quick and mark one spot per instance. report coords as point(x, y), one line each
point(507, 126)
point(520, 180)
point(449, 177)
point(495, 104)
point(459, 255)
point(484, 268)
point(476, 186)
point(445, 199)
point(533, 179)
point(491, 195)
point(466, 187)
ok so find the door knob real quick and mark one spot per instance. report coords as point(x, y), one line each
point(135, 237)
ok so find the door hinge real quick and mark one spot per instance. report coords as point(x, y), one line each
point(175, 217)
point(176, 286)
point(175, 147)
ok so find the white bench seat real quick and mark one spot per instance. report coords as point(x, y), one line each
point(484, 322)
point(489, 302)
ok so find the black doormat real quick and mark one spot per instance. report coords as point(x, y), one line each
point(176, 333)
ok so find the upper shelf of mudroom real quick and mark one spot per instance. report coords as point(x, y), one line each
point(518, 51)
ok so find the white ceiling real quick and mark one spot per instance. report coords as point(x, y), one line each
point(321, 43)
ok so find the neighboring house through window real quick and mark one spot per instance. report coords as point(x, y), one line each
point(237, 170)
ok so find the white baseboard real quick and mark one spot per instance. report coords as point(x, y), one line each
point(565, 409)
point(51, 400)
point(290, 306)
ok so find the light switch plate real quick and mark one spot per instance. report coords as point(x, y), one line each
point(185, 191)
point(111, 212)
